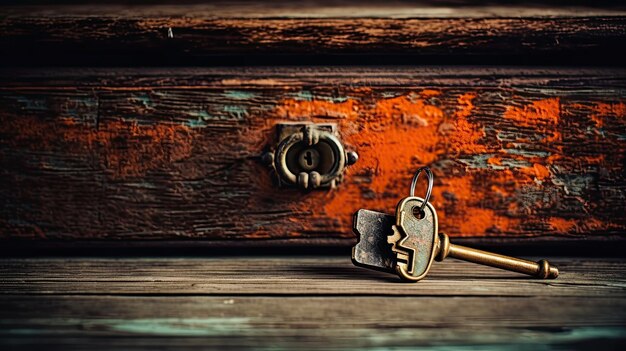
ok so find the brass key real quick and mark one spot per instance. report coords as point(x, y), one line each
point(415, 242)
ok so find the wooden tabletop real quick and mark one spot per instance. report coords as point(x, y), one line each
point(304, 302)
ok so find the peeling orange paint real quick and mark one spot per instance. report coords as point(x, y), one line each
point(540, 172)
point(408, 111)
point(544, 117)
point(399, 135)
point(495, 160)
point(466, 105)
point(466, 136)
point(539, 113)
point(430, 92)
point(124, 148)
point(394, 136)
point(597, 119)
point(390, 135)
point(144, 148)
point(292, 108)
point(463, 212)
point(615, 109)
point(604, 111)
point(562, 225)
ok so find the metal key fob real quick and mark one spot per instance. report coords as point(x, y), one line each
point(414, 238)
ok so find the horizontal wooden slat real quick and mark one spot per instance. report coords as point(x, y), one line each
point(169, 154)
point(332, 322)
point(311, 33)
point(312, 276)
point(315, 8)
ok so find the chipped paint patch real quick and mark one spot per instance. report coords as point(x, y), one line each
point(196, 123)
point(430, 93)
point(539, 113)
point(296, 109)
point(30, 102)
point(562, 225)
point(239, 95)
point(520, 149)
point(608, 112)
point(480, 161)
point(200, 120)
point(219, 326)
point(239, 112)
point(307, 95)
point(304, 95)
point(540, 172)
point(212, 326)
point(144, 99)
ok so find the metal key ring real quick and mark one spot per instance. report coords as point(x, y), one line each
point(429, 175)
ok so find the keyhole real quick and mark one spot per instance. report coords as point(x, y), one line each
point(309, 158)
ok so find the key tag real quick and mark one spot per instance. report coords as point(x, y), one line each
point(408, 243)
point(415, 253)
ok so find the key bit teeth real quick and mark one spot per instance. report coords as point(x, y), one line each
point(394, 238)
point(404, 255)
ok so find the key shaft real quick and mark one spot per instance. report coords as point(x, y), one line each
point(540, 269)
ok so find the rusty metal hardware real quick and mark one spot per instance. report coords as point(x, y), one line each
point(309, 156)
point(409, 242)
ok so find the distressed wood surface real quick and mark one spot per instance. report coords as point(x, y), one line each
point(155, 154)
point(310, 33)
point(310, 276)
point(345, 323)
point(315, 8)
point(295, 302)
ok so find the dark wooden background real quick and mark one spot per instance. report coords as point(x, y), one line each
point(113, 130)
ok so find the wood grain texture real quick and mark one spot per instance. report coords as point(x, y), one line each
point(157, 154)
point(310, 33)
point(315, 8)
point(338, 323)
point(297, 276)
point(295, 302)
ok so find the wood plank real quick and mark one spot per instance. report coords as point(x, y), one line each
point(297, 276)
point(171, 154)
point(59, 316)
point(311, 33)
point(347, 323)
point(316, 8)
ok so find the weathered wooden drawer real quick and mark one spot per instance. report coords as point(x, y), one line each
point(154, 153)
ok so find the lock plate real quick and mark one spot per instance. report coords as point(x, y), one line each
point(309, 155)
